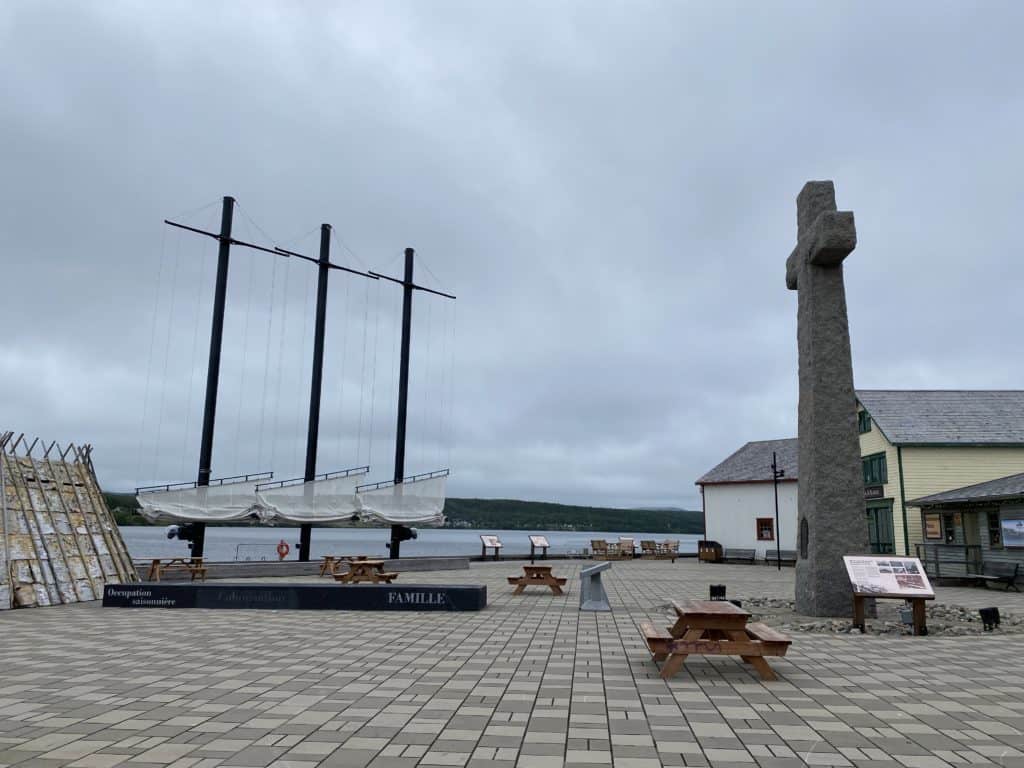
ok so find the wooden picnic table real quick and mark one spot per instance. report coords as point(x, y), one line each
point(329, 563)
point(160, 565)
point(537, 574)
point(363, 569)
point(713, 628)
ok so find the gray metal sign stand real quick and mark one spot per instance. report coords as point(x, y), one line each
point(592, 594)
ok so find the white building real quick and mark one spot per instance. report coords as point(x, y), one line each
point(739, 498)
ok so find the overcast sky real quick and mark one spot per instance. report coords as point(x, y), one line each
point(608, 188)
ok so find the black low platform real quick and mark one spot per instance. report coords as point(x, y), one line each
point(300, 597)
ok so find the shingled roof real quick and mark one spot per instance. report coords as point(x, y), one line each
point(753, 463)
point(1002, 489)
point(947, 417)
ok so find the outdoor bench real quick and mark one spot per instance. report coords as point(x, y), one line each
point(743, 555)
point(785, 556)
point(1000, 573)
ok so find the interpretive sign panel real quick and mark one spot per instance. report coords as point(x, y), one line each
point(539, 541)
point(887, 575)
point(490, 541)
point(303, 597)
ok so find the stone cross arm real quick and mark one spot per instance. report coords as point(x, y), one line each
point(826, 236)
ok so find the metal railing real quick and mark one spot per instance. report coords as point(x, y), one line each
point(952, 560)
point(412, 479)
point(213, 482)
point(325, 476)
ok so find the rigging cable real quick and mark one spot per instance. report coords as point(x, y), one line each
point(451, 385)
point(395, 332)
point(362, 375)
point(373, 385)
point(167, 357)
point(280, 366)
point(152, 346)
point(341, 376)
point(203, 269)
point(426, 387)
point(266, 368)
point(236, 446)
point(439, 439)
point(298, 368)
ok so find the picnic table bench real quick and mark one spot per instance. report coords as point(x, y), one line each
point(363, 569)
point(329, 564)
point(741, 555)
point(713, 628)
point(537, 574)
point(160, 566)
point(1000, 573)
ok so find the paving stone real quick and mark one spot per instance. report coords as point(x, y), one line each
point(529, 682)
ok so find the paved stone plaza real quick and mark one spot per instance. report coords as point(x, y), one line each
point(529, 682)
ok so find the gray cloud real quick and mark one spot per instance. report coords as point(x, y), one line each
point(609, 190)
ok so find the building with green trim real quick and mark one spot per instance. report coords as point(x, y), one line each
point(917, 443)
point(913, 444)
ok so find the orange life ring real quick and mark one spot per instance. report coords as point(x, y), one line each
point(283, 549)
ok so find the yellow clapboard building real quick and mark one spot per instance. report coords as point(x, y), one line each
point(917, 443)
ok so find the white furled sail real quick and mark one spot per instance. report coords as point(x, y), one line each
point(417, 500)
point(221, 501)
point(330, 499)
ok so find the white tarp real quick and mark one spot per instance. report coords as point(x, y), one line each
point(333, 501)
point(222, 503)
point(317, 502)
point(414, 502)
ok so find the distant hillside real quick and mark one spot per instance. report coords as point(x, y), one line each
point(515, 515)
point(541, 515)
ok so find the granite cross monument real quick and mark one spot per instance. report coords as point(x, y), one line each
point(831, 492)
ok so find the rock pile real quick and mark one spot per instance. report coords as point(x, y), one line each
point(942, 619)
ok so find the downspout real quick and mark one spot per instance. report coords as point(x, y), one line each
point(704, 511)
point(903, 502)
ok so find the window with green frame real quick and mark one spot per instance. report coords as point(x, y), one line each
point(875, 470)
point(863, 421)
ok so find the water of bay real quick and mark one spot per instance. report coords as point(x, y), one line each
point(259, 543)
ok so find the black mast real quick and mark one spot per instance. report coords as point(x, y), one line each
point(316, 379)
point(403, 390)
point(213, 368)
point(400, 533)
point(216, 335)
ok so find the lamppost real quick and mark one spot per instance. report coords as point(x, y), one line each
point(776, 474)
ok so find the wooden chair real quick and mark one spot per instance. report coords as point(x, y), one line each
point(669, 549)
point(627, 547)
